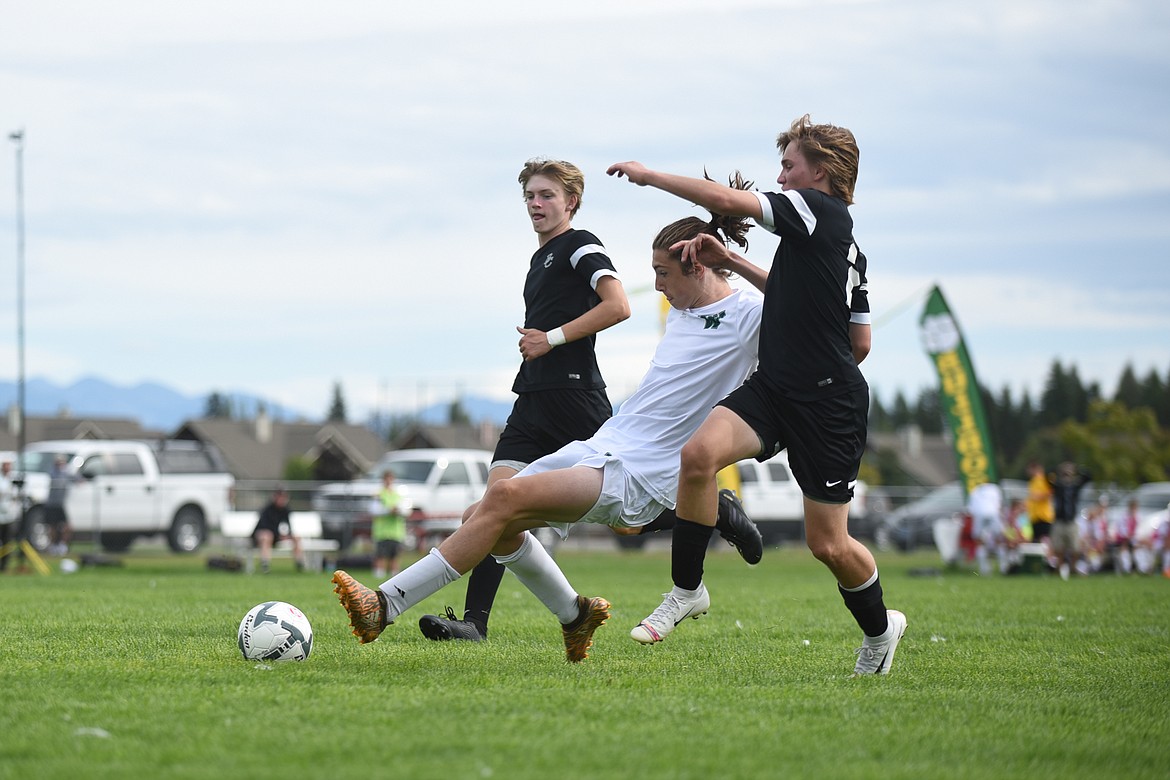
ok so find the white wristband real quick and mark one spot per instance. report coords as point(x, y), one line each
point(556, 337)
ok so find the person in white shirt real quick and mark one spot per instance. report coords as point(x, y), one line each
point(623, 476)
point(985, 505)
point(9, 512)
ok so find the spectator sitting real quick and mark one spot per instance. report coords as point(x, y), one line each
point(1094, 535)
point(1125, 538)
point(1012, 536)
point(274, 526)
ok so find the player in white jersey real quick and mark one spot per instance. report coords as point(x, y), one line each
point(623, 476)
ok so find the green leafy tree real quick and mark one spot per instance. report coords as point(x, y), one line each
point(298, 469)
point(1118, 445)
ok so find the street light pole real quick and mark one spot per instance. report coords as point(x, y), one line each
point(17, 137)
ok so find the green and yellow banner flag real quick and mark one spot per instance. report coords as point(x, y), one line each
point(958, 393)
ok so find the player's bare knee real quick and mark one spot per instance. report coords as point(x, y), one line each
point(827, 550)
point(696, 464)
point(504, 498)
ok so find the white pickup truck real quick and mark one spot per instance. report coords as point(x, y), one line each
point(120, 490)
point(774, 501)
point(438, 483)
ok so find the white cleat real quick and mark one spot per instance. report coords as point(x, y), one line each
point(676, 608)
point(876, 654)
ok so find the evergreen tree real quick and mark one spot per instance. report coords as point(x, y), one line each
point(1129, 390)
point(1052, 398)
point(456, 414)
point(218, 407)
point(928, 413)
point(879, 418)
point(1155, 395)
point(1064, 397)
point(337, 406)
point(1006, 431)
point(1026, 417)
point(901, 416)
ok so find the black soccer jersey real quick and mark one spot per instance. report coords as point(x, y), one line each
point(815, 288)
point(561, 286)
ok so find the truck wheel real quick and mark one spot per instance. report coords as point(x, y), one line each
point(631, 542)
point(188, 531)
point(37, 529)
point(117, 543)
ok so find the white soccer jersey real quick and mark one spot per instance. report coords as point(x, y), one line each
point(704, 354)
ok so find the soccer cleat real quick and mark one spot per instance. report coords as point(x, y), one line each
point(672, 611)
point(738, 529)
point(440, 629)
point(366, 607)
point(876, 654)
point(579, 634)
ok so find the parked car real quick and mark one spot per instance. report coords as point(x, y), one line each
point(121, 490)
point(912, 525)
point(775, 502)
point(439, 484)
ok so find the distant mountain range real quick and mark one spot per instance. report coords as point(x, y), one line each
point(157, 407)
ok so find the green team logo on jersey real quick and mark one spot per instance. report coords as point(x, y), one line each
point(712, 320)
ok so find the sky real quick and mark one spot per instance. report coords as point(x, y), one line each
point(273, 198)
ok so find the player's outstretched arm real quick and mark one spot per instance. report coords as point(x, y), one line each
point(716, 198)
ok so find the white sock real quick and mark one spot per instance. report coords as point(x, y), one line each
point(423, 578)
point(981, 559)
point(538, 572)
point(687, 595)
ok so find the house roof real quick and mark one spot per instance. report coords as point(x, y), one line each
point(474, 437)
point(260, 448)
point(929, 458)
point(65, 427)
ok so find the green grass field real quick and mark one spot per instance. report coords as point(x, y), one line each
point(134, 672)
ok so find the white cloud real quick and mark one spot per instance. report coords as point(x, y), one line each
point(274, 197)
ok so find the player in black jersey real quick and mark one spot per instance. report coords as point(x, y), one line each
point(572, 292)
point(808, 395)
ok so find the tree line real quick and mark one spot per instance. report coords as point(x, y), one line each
point(1122, 440)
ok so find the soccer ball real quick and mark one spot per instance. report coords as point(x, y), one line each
point(275, 631)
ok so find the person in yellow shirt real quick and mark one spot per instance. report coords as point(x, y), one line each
point(388, 528)
point(1039, 503)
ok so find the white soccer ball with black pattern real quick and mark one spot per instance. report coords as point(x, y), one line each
point(275, 631)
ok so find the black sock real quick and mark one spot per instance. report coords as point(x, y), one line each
point(664, 522)
point(868, 608)
point(482, 586)
point(688, 550)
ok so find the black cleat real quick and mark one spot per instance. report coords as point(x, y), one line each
point(738, 529)
point(441, 629)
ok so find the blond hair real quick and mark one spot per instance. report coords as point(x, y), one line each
point(831, 148)
point(566, 174)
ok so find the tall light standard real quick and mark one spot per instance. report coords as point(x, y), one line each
point(17, 137)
